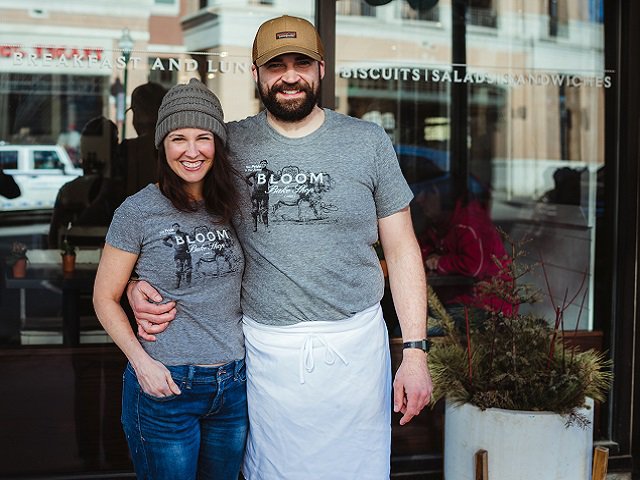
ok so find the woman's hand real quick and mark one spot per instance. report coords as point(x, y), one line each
point(155, 379)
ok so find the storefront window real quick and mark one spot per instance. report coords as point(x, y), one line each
point(534, 132)
point(531, 88)
point(79, 88)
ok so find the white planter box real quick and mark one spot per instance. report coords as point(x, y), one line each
point(521, 445)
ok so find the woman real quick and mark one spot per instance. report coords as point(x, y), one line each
point(184, 397)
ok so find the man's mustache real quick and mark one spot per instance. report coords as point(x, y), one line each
point(295, 86)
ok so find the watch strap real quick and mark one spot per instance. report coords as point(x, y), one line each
point(424, 345)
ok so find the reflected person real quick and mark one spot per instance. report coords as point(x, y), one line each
point(463, 241)
point(8, 186)
point(91, 199)
point(140, 153)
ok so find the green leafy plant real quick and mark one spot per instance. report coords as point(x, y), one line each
point(18, 251)
point(67, 248)
point(513, 361)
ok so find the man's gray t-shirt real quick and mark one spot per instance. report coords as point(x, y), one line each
point(193, 260)
point(309, 216)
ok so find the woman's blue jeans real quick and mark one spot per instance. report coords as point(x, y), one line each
point(199, 434)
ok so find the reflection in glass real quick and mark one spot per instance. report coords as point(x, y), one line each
point(534, 118)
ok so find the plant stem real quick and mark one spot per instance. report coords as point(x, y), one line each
point(469, 355)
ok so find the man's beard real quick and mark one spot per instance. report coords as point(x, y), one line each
point(291, 110)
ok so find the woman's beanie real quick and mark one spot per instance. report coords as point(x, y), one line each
point(190, 105)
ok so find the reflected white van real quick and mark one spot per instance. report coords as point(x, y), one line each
point(39, 171)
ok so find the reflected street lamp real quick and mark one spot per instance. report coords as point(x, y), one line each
point(126, 46)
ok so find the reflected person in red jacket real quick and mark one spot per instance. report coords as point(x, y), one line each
point(463, 242)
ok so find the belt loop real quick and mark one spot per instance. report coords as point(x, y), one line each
point(191, 372)
point(237, 366)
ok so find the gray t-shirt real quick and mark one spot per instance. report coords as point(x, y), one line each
point(193, 260)
point(309, 217)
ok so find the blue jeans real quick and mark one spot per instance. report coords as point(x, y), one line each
point(200, 433)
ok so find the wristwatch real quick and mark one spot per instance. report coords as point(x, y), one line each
point(424, 345)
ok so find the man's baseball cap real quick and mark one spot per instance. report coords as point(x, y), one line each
point(286, 35)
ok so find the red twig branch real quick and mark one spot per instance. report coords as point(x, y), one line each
point(466, 321)
point(553, 337)
point(575, 330)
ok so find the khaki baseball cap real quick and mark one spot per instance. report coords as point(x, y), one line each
point(286, 35)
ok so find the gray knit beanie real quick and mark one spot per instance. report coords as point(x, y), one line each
point(190, 106)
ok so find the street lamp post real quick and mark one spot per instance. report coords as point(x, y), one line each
point(126, 46)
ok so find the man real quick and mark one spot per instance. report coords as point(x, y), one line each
point(179, 241)
point(8, 186)
point(319, 380)
point(259, 181)
point(91, 199)
point(139, 154)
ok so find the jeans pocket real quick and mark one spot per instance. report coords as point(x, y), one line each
point(168, 398)
point(134, 378)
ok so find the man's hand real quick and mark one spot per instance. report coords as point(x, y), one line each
point(412, 386)
point(151, 316)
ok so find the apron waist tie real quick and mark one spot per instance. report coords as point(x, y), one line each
point(307, 361)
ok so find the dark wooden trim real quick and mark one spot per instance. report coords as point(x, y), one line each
point(622, 180)
point(459, 121)
point(326, 25)
point(63, 413)
point(627, 417)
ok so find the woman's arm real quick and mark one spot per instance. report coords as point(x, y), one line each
point(111, 280)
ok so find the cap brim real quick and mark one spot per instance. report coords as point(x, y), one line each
point(265, 57)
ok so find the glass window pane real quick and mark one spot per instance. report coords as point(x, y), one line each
point(45, 160)
point(81, 105)
point(8, 159)
point(503, 116)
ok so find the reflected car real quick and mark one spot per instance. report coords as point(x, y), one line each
point(39, 171)
point(428, 168)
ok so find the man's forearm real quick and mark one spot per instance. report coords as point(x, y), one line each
point(409, 290)
point(406, 273)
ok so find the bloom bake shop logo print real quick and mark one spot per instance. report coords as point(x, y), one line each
point(288, 195)
point(200, 253)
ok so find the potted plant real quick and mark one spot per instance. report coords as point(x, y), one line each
point(513, 387)
point(68, 253)
point(18, 259)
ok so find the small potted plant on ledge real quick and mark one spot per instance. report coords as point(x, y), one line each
point(514, 388)
point(68, 253)
point(383, 263)
point(18, 259)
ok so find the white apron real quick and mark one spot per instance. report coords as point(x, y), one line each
point(319, 396)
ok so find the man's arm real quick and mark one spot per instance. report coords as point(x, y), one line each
point(151, 316)
point(412, 385)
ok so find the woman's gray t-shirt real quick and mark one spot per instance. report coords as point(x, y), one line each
point(193, 260)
